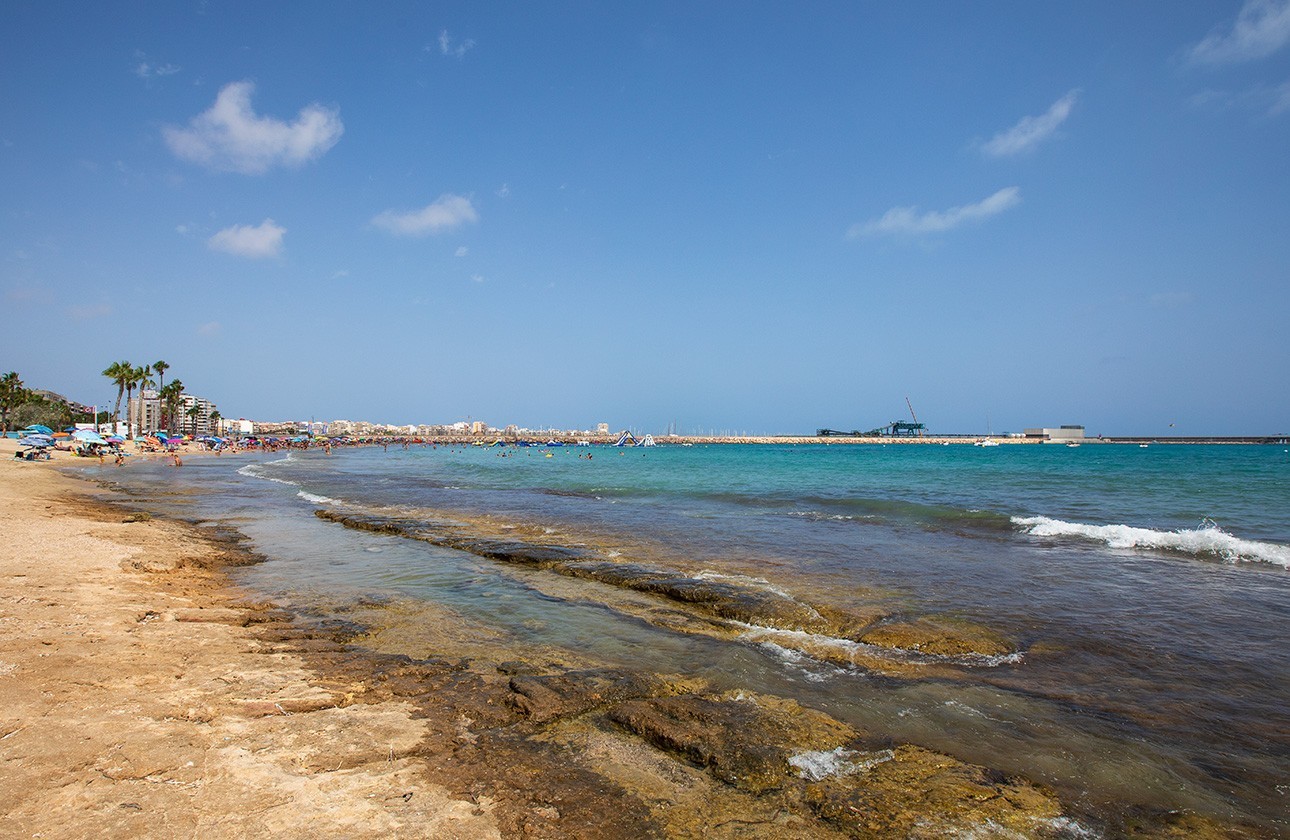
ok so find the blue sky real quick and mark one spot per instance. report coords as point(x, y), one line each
point(761, 217)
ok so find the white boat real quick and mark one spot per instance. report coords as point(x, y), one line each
point(986, 442)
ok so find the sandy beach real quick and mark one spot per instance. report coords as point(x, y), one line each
point(139, 701)
point(143, 695)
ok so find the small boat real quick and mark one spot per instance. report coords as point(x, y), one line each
point(1071, 445)
point(986, 442)
point(1142, 446)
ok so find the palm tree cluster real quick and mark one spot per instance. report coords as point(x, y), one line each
point(127, 377)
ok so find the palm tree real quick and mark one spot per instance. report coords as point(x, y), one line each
point(132, 379)
point(161, 367)
point(194, 413)
point(118, 372)
point(146, 381)
point(213, 417)
point(170, 397)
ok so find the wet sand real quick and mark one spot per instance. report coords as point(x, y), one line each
point(141, 694)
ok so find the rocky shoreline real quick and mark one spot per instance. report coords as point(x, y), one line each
point(146, 696)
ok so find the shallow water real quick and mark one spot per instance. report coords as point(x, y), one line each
point(1152, 668)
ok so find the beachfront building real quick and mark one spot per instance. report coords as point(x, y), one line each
point(145, 412)
point(602, 429)
point(241, 427)
point(196, 423)
point(1061, 434)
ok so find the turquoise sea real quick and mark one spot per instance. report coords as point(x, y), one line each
point(1145, 591)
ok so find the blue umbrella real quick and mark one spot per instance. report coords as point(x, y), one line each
point(44, 430)
point(40, 441)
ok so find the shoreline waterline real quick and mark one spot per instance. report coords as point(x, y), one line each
point(535, 601)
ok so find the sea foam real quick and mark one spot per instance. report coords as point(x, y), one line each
point(820, 764)
point(318, 500)
point(256, 471)
point(1208, 540)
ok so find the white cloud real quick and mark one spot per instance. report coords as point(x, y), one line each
point(231, 137)
point(1030, 131)
point(264, 240)
point(144, 70)
point(445, 213)
point(462, 251)
point(477, 278)
point(446, 46)
point(504, 191)
point(907, 220)
point(1270, 100)
point(210, 329)
point(1262, 27)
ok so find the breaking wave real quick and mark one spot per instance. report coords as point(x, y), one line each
point(1207, 540)
point(318, 500)
point(257, 471)
point(803, 641)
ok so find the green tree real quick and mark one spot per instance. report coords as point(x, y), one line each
point(194, 413)
point(12, 394)
point(133, 377)
point(55, 415)
point(170, 398)
point(160, 367)
point(214, 421)
point(145, 381)
point(118, 372)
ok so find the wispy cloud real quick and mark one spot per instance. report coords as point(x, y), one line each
point(908, 220)
point(146, 69)
point(462, 251)
point(90, 311)
point(263, 240)
point(1262, 27)
point(1270, 100)
point(231, 137)
point(1171, 300)
point(1282, 102)
point(447, 47)
point(210, 329)
point(1031, 131)
point(444, 213)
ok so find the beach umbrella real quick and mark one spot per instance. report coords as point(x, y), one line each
point(35, 441)
point(38, 429)
point(88, 437)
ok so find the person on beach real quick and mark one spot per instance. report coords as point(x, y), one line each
point(176, 462)
point(120, 459)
